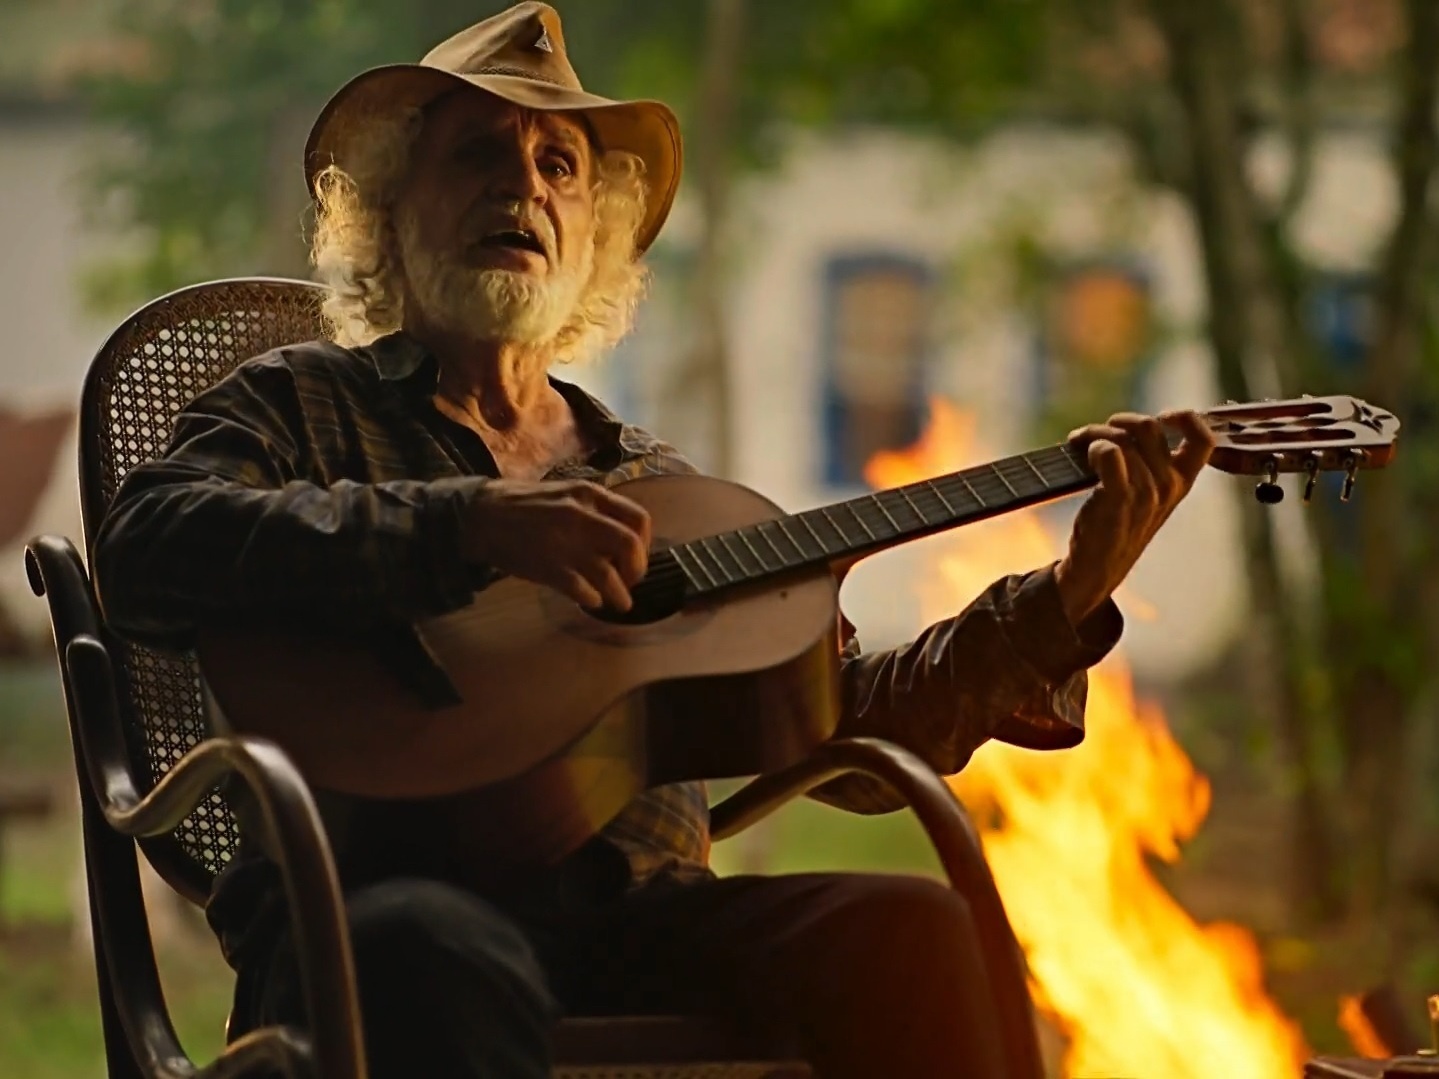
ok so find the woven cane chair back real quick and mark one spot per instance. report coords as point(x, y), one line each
point(150, 368)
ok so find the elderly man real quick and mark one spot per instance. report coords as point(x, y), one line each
point(480, 220)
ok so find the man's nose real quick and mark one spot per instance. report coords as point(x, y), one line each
point(518, 176)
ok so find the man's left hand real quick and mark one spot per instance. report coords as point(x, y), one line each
point(1141, 480)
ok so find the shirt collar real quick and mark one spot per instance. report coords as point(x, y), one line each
point(401, 359)
point(398, 357)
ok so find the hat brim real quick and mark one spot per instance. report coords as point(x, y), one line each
point(647, 129)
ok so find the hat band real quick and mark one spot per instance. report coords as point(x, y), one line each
point(516, 72)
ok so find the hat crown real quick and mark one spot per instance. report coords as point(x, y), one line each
point(524, 41)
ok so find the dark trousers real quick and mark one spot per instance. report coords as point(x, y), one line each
point(879, 975)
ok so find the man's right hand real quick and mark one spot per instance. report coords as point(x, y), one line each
point(576, 537)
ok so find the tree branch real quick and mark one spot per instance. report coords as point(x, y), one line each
point(713, 145)
point(1247, 324)
point(1417, 155)
point(1297, 109)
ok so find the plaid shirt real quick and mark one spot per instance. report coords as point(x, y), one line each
point(317, 482)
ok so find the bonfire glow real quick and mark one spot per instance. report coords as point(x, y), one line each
point(1137, 987)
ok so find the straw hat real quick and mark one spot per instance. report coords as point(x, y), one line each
point(518, 55)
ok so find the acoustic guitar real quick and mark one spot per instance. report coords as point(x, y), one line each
point(545, 719)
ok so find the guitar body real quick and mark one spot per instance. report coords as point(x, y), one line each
point(562, 718)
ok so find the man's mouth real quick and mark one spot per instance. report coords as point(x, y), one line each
point(514, 239)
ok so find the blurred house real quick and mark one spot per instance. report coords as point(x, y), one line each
point(1029, 280)
point(875, 272)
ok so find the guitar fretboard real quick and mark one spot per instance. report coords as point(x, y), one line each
point(883, 519)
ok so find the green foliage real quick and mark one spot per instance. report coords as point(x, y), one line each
point(207, 128)
point(189, 174)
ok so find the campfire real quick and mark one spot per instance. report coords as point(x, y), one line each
point(1132, 983)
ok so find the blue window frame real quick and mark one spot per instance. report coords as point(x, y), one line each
point(875, 350)
point(1093, 341)
point(1341, 317)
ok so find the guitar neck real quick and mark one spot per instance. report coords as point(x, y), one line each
point(845, 531)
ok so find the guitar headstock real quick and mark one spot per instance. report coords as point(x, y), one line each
point(1305, 434)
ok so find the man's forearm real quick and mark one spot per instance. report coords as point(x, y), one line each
point(1009, 666)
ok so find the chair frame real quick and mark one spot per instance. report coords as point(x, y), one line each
point(120, 813)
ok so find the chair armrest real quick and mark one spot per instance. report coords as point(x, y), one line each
point(294, 831)
point(56, 571)
point(956, 841)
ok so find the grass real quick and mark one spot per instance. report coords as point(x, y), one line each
point(49, 1011)
point(49, 1016)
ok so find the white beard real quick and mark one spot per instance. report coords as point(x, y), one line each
point(488, 305)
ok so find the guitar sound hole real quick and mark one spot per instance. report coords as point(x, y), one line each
point(658, 595)
point(641, 614)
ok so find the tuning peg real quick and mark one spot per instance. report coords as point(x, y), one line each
point(1351, 466)
point(1268, 490)
point(1311, 472)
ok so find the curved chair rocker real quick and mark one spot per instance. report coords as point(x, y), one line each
point(148, 770)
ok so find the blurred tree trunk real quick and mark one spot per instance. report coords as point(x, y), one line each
point(711, 144)
point(1377, 694)
point(1360, 645)
point(1255, 351)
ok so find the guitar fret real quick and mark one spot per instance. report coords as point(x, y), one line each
point(699, 563)
point(995, 469)
point(1042, 463)
point(904, 494)
point(1038, 474)
point(750, 547)
point(855, 514)
point(705, 546)
point(677, 553)
point(759, 531)
point(785, 532)
point(832, 522)
point(1067, 452)
point(973, 493)
point(893, 523)
point(744, 571)
point(843, 539)
point(901, 501)
point(804, 520)
point(943, 501)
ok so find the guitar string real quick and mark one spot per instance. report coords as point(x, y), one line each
point(961, 493)
point(956, 491)
point(872, 513)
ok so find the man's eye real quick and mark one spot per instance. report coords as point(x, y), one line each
point(559, 166)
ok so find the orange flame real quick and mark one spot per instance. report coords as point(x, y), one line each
point(1136, 986)
point(1360, 1030)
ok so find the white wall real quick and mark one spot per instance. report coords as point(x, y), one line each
point(49, 339)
